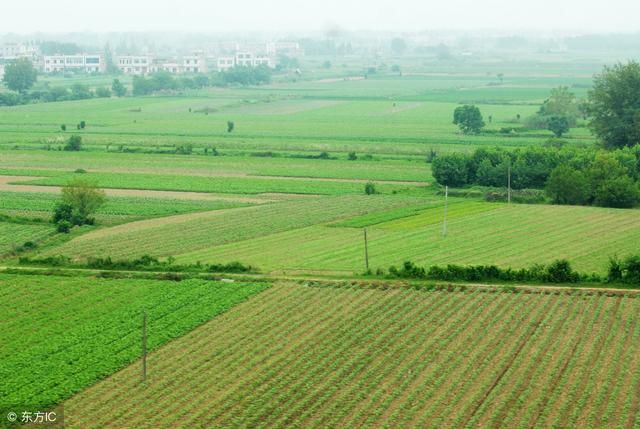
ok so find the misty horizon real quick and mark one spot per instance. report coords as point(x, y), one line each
point(288, 16)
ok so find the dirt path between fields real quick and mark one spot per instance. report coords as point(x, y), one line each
point(6, 185)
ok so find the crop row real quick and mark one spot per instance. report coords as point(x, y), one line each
point(82, 333)
point(516, 236)
point(119, 206)
point(325, 357)
point(182, 234)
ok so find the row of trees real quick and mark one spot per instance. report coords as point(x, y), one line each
point(569, 175)
point(164, 81)
point(20, 76)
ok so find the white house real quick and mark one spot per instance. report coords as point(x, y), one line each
point(135, 64)
point(79, 63)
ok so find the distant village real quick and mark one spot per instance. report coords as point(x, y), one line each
point(219, 58)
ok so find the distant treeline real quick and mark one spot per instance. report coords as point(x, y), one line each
point(164, 81)
point(157, 82)
point(143, 263)
point(625, 271)
point(569, 175)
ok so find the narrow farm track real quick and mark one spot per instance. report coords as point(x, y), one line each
point(298, 356)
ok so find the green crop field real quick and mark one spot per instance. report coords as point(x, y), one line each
point(86, 328)
point(294, 323)
point(477, 233)
point(172, 236)
point(13, 234)
point(305, 357)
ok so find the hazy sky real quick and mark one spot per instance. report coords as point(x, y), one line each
point(27, 16)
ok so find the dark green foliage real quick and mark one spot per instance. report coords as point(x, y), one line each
point(587, 176)
point(352, 156)
point(242, 75)
point(80, 200)
point(74, 143)
point(80, 92)
point(83, 124)
point(11, 99)
point(64, 226)
point(230, 126)
point(143, 263)
point(558, 125)
point(370, 188)
point(63, 127)
point(20, 75)
point(619, 192)
point(614, 105)
point(118, 88)
point(469, 119)
point(103, 92)
point(624, 271)
point(559, 271)
point(451, 170)
point(567, 185)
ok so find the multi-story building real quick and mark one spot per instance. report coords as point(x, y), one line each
point(135, 64)
point(12, 51)
point(1, 71)
point(194, 64)
point(145, 64)
point(245, 59)
point(79, 63)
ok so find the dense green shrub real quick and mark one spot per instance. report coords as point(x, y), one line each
point(451, 170)
point(624, 271)
point(559, 271)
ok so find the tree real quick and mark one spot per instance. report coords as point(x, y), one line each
point(370, 188)
point(614, 105)
point(112, 68)
point(469, 119)
point(567, 186)
point(80, 200)
point(74, 143)
point(118, 88)
point(619, 192)
point(103, 92)
point(80, 92)
point(558, 125)
point(610, 183)
point(451, 170)
point(20, 75)
point(230, 126)
point(561, 102)
point(352, 156)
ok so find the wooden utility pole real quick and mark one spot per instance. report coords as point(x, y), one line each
point(144, 346)
point(446, 201)
point(509, 183)
point(366, 250)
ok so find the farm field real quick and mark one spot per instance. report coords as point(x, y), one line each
point(14, 234)
point(477, 233)
point(85, 328)
point(171, 236)
point(308, 337)
point(115, 210)
point(300, 356)
point(302, 118)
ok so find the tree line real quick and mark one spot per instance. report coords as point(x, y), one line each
point(20, 77)
point(569, 175)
